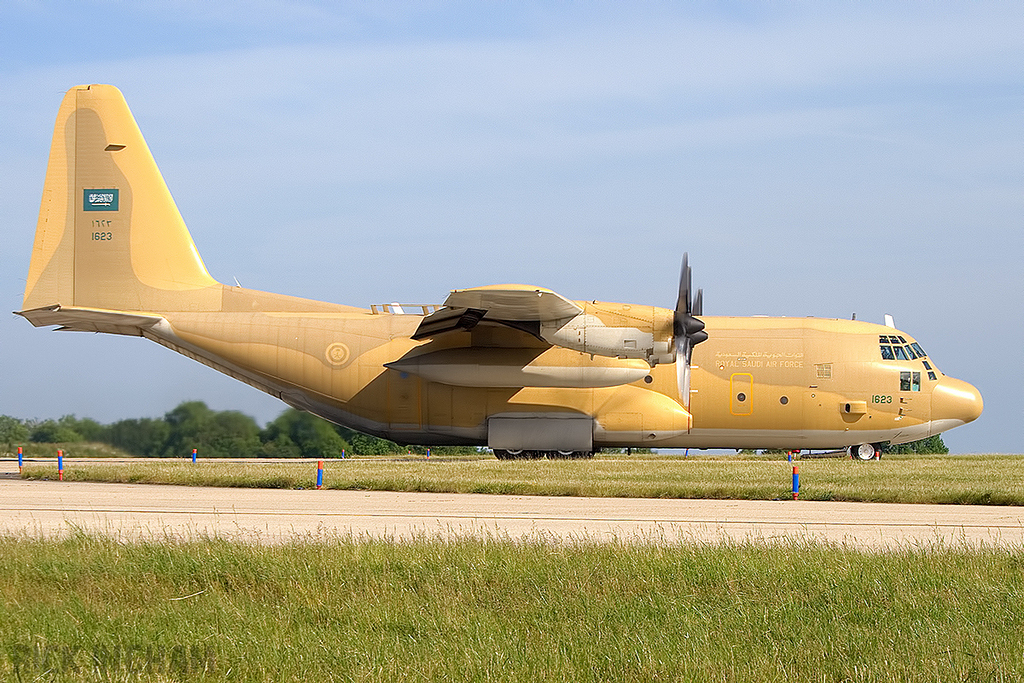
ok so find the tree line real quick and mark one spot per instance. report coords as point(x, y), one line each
point(215, 433)
point(230, 433)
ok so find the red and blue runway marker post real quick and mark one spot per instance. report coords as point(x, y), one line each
point(194, 455)
point(796, 476)
point(319, 474)
point(60, 465)
point(20, 461)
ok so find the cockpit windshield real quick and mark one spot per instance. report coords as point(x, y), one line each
point(893, 347)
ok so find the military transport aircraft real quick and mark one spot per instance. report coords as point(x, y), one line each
point(518, 368)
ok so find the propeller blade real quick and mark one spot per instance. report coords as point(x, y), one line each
point(683, 300)
point(683, 369)
point(688, 330)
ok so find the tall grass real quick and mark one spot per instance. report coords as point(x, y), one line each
point(903, 479)
point(88, 608)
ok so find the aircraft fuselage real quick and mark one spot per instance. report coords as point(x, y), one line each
point(757, 382)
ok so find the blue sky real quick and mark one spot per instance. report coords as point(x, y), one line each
point(814, 159)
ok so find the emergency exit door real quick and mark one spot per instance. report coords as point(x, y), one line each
point(741, 393)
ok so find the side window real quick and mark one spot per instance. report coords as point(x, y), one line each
point(887, 353)
point(926, 366)
point(900, 353)
point(920, 351)
point(915, 382)
point(931, 375)
point(905, 381)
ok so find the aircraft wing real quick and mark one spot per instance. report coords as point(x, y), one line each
point(75, 319)
point(519, 306)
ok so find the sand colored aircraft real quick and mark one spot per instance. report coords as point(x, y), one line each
point(517, 368)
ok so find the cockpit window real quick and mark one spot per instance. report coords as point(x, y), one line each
point(926, 366)
point(931, 375)
point(910, 381)
point(893, 347)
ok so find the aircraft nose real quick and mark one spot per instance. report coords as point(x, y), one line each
point(953, 399)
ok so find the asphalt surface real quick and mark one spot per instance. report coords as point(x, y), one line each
point(137, 511)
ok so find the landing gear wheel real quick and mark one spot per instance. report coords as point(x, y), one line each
point(864, 452)
point(570, 455)
point(501, 454)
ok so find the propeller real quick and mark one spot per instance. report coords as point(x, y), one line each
point(688, 330)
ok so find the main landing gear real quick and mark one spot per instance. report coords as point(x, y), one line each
point(866, 451)
point(537, 455)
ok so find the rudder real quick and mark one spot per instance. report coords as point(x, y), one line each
point(109, 234)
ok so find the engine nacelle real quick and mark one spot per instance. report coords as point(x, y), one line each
point(589, 334)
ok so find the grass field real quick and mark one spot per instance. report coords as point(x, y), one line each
point(92, 609)
point(993, 479)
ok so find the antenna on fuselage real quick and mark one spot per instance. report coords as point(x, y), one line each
point(889, 322)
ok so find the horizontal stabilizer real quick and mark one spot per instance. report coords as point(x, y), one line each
point(74, 319)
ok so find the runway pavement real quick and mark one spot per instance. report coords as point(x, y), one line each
point(135, 511)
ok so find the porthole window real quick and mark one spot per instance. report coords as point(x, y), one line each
point(784, 400)
point(648, 379)
point(741, 397)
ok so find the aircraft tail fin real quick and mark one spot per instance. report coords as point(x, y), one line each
point(109, 234)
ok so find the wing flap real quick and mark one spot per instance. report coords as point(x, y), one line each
point(521, 307)
point(514, 303)
point(448, 320)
